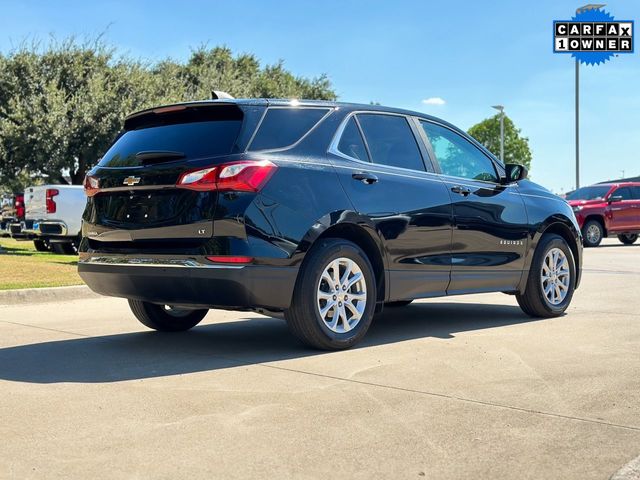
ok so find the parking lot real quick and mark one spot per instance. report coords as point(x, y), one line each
point(447, 388)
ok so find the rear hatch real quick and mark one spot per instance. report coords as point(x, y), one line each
point(135, 194)
point(35, 202)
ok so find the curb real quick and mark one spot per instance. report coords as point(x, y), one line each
point(28, 296)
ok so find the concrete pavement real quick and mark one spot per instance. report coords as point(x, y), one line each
point(464, 387)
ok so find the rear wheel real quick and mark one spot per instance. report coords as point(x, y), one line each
point(334, 297)
point(628, 238)
point(166, 318)
point(551, 281)
point(41, 245)
point(592, 233)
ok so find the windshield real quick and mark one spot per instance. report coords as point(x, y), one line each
point(589, 193)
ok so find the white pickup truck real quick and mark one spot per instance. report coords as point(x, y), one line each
point(53, 217)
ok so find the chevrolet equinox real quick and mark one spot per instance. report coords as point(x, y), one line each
point(324, 212)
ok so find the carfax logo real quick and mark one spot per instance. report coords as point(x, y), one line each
point(593, 36)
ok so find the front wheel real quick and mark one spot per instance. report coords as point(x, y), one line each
point(628, 238)
point(551, 281)
point(335, 296)
point(592, 232)
point(166, 318)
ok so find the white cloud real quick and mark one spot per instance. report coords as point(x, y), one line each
point(434, 101)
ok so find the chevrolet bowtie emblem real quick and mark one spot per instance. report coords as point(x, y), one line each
point(131, 181)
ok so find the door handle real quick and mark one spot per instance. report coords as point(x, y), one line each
point(365, 177)
point(461, 190)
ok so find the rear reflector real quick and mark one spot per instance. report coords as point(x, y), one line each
point(229, 259)
point(51, 203)
point(244, 176)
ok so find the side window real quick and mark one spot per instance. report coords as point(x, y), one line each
point(351, 143)
point(457, 156)
point(636, 192)
point(282, 127)
point(624, 192)
point(391, 141)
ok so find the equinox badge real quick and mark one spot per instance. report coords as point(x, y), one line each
point(131, 181)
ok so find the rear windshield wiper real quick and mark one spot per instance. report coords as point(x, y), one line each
point(158, 156)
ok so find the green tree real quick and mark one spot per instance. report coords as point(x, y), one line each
point(516, 147)
point(62, 105)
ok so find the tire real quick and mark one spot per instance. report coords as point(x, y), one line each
point(165, 319)
point(592, 233)
point(65, 248)
point(304, 317)
point(398, 303)
point(41, 245)
point(628, 239)
point(534, 302)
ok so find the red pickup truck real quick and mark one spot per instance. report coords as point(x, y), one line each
point(607, 209)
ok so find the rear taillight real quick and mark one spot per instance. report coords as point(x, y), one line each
point(51, 203)
point(91, 186)
point(244, 176)
point(20, 206)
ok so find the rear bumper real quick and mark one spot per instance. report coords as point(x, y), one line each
point(190, 283)
point(15, 230)
point(45, 228)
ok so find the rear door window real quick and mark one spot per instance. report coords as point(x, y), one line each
point(282, 127)
point(391, 141)
point(624, 192)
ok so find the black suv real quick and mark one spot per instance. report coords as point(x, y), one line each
point(324, 211)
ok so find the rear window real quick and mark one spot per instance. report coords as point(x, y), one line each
point(194, 133)
point(282, 127)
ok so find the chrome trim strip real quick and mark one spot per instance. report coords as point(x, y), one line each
point(153, 262)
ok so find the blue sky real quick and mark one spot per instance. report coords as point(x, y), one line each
point(470, 54)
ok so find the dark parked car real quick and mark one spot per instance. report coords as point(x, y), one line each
point(324, 211)
point(607, 209)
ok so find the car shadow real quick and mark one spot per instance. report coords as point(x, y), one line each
point(616, 245)
point(139, 355)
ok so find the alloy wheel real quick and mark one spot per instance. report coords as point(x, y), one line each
point(593, 233)
point(341, 295)
point(555, 276)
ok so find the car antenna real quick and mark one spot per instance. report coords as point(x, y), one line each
point(216, 94)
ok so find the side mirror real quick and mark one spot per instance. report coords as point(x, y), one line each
point(515, 172)
point(615, 198)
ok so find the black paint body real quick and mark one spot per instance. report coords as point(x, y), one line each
point(422, 238)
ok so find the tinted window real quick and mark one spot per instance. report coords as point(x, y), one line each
point(636, 192)
point(391, 141)
point(194, 140)
point(351, 142)
point(282, 127)
point(589, 193)
point(457, 156)
point(624, 192)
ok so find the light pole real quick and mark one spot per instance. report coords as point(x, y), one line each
point(589, 6)
point(500, 108)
